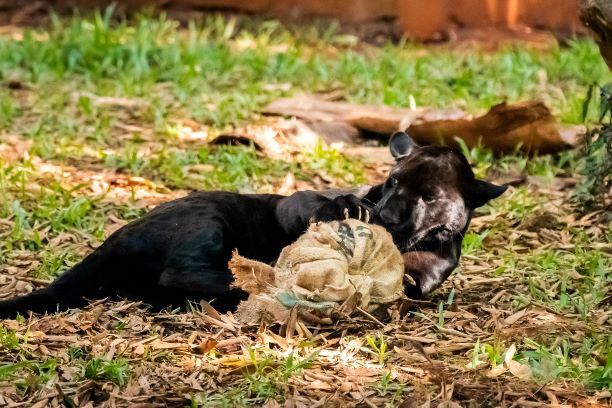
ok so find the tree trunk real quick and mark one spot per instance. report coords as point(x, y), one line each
point(597, 16)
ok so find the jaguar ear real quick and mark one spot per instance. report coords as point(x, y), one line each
point(481, 192)
point(401, 145)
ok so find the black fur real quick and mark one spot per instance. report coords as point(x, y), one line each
point(180, 250)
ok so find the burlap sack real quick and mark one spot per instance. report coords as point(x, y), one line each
point(328, 265)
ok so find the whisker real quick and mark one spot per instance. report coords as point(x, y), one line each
point(368, 202)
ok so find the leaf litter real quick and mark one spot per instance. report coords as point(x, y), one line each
point(433, 352)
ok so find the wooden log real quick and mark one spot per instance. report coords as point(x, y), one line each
point(529, 126)
point(368, 118)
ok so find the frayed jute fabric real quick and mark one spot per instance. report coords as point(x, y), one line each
point(335, 266)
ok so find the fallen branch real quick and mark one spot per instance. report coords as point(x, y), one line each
point(529, 126)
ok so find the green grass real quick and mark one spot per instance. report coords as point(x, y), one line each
point(52, 207)
point(29, 375)
point(220, 71)
point(116, 371)
point(26, 372)
point(378, 348)
point(8, 110)
point(54, 262)
point(8, 339)
point(96, 53)
point(265, 379)
point(589, 362)
point(572, 281)
point(269, 380)
point(394, 391)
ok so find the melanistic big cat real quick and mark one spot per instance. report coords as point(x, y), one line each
point(180, 249)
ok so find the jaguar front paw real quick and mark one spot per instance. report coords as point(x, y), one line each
point(341, 208)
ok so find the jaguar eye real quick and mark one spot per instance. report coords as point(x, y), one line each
point(428, 198)
point(391, 182)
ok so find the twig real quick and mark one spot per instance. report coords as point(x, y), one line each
point(369, 316)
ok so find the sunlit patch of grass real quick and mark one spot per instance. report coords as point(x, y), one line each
point(473, 241)
point(53, 263)
point(332, 163)
point(267, 378)
point(234, 167)
point(568, 281)
point(516, 204)
point(36, 210)
point(127, 159)
point(270, 376)
point(223, 167)
point(8, 339)
point(485, 163)
point(378, 348)
point(231, 168)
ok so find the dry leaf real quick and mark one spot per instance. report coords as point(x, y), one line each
point(207, 345)
point(514, 317)
point(517, 369)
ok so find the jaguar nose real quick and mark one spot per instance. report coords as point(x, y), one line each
point(441, 234)
point(444, 235)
